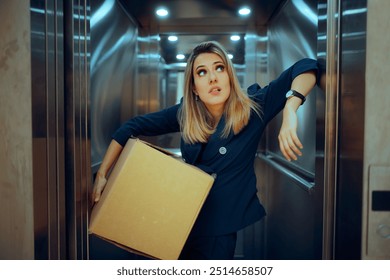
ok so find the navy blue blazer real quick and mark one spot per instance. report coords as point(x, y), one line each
point(232, 203)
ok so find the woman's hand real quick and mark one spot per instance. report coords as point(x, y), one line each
point(98, 187)
point(289, 143)
point(111, 155)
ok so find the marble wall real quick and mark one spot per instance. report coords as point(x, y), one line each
point(16, 190)
point(376, 224)
point(377, 126)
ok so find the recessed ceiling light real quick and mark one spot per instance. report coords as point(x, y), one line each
point(162, 12)
point(180, 56)
point(230, 56)
point(235, 37)
point(172, 38)
point(244, 11)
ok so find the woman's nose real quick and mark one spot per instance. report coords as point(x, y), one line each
point(212, 77)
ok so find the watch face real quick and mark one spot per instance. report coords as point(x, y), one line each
point(289, 93)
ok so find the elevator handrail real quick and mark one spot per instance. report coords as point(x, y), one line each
point(305, 182)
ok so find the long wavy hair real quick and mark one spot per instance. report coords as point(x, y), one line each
point(197, 124)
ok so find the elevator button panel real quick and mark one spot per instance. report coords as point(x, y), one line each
point(378, 213)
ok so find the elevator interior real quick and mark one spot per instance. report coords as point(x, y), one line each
point(96, 63)
point(152, 79)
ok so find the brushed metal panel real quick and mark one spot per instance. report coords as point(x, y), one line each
point(293, 36)
point(39, 121)
point(48, 129)
point(329, 51)
point(293, 202)
point(113, 73)
point(293, 226)
point(352, 73)
point(77, 142)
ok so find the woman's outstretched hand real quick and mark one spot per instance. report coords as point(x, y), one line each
point(289, 143)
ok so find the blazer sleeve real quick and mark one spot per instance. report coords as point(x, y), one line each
point(272, 98)
point(151, 124)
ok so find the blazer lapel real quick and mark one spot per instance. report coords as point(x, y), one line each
point(190, 152)
point(216, 145)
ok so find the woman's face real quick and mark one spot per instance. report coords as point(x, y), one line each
point(212, 83)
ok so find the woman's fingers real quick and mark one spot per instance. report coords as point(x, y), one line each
point(290, 145)
point(99, 185)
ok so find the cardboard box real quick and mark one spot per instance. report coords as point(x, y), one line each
point(150, 202)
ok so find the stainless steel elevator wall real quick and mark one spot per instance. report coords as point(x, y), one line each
point(60, 122)
point(128, 75)
point(48, 123)
point(292, 36)
point(114, 64)
point(293, 227)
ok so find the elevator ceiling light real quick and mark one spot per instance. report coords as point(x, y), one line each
point(235, 37)
point(244, 11)
point(162, 12)
point(180, 56)
point(172, 38)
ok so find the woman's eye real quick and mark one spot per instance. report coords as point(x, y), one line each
point(201, 72)
point(220, 68)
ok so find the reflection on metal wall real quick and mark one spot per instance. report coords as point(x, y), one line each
point(61, 150)
point(77, 135)
point(171, 92)
point(147, 97)
point(152, 79)
point(113, 73)
point(342, 38)
point(293, 36)
point(328, 53)
point(48, 118)
point(294, 221)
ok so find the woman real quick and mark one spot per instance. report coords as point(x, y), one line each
point(220, 127)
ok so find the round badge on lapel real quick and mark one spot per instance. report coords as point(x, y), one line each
point(222, 150)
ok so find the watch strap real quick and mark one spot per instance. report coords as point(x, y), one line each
point(299, 95)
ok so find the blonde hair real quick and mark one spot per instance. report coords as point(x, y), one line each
point(197, 124)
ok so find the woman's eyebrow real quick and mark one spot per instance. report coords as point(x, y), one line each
point(215, 62)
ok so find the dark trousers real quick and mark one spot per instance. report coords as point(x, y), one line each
point(220, 247)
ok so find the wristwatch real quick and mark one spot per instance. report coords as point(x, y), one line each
point(292, 92)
